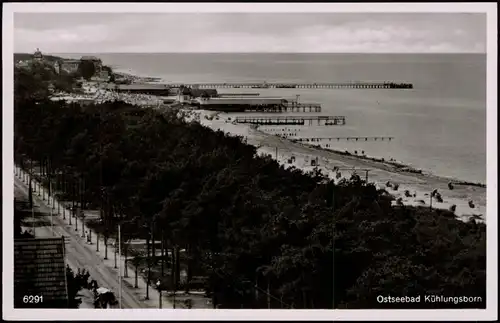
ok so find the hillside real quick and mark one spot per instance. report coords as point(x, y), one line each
point(27, 56)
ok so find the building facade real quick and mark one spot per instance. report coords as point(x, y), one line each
point(186, 94)
point(37, 56)
point(67, 65)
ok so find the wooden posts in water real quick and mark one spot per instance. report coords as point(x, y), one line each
point(295, 120)
point(292, 106)
point(320, 85)
point(313, 139)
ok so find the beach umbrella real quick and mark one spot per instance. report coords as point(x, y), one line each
point(102, 290)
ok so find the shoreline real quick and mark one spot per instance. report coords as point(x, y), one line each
point(403, 166)
point(397, 165)
point(406, 187)
point(137, 78)
point(383, 173)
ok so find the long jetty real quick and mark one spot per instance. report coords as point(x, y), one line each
point(289, 107)
point(237, 94)
point(376, 138)
point(295, 120)
point(318, 85)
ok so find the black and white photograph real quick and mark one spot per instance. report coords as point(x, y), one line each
point(235, 157)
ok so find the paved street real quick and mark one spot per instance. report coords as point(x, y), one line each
point(80, 254)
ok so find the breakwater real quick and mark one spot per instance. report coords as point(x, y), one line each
point(288, 107)
point(225, 95)
point(376, 138)
point(273, 85)
point(296, 120)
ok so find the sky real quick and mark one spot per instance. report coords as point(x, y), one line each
point(250, 32)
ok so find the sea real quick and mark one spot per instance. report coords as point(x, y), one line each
point(439, 126)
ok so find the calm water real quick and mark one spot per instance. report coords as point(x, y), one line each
point(440, 126)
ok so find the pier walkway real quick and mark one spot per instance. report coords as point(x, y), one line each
point(289, 107)
point(295, 120)
point(226, 95)
point(275, 85)
point(346, 138)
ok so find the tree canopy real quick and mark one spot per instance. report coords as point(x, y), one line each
point(266, 236)
point(86, 69)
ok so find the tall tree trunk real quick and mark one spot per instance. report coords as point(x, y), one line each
point(162, 253)
point(189, 267)
point(177, 266)
point(82, 190)
point(49, 177)
point(105, 245)
point(30, 172)
point(257, 288)
point(136, 274)
point(148, 264)
point(269, 293)
point(172, 269)
point(73, 196)
point(125, 252)
point(153, 246)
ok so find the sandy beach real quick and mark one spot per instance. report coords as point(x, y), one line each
point(419, 186)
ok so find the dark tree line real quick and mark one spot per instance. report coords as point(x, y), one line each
point(264, 235)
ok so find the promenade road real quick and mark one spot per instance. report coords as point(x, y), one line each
point(80, 254)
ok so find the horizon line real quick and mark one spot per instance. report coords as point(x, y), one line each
point(299, 53)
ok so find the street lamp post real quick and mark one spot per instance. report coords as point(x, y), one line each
point(120, 269)
point(116, 248)
point(83, 224)
point(76, 219)
point(51, 214)
point(148, 227)
point(158, 284)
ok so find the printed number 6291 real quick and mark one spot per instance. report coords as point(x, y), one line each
point(32, 299)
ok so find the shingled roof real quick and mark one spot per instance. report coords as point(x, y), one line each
point(40, 270)
point(90, 58)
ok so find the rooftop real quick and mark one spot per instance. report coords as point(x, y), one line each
point(70, 61)
point(90, 58)
point(40, 269)
point(138, 86)
point(38, 54)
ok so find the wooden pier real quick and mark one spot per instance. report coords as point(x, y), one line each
point(302, 107)
point(289, 107)
point(296, 120)
point(275, 85)
point(314, 139)
point(226, 95)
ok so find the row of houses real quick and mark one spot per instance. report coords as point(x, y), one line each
point(183, 95)
point(208, 99)
point(71, 65)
